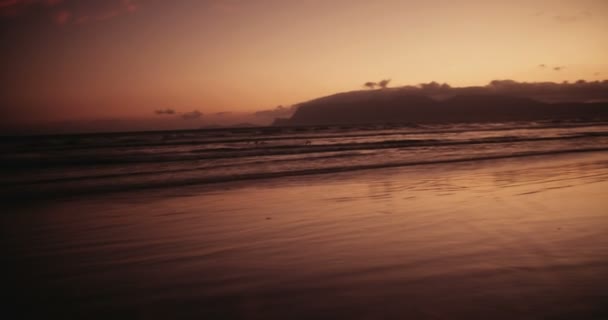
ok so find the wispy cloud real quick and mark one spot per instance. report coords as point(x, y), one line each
point(539, 13)
point(227, 6)
point(7, 4)
point(191, 115)
point(62, 17)
point(162, 112)
point(571, 18)
point(63, 12)
point(120, 8)
point(13, 8)
point(554, 68)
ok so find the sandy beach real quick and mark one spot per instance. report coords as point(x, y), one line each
point(523, 238)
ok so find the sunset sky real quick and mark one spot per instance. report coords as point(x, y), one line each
point(85, 59)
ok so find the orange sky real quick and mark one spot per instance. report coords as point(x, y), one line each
point(77, 59)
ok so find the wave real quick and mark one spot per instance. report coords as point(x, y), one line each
point(97, 159)
point(253, 135)
point(170, 171)
point(54, 191)
point(44, 167)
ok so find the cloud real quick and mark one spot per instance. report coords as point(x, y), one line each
point(11, 4)
point(62, 12)
point(13, 8)
point(226, 6)
point(435, 87)
point(570, 18)
point(195, 114)
point(384, 83)
point(566, 19)
point(545, 91)
point(62, 17)
point(580, 90)
point(109, 10)
point(370, 84)
point(277, 112)
point(191, 115)
point(161, 112)
point(555, 68)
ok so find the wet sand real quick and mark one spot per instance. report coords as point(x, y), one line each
point(523, 238)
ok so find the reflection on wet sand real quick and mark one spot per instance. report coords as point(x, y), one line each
point(518, 238)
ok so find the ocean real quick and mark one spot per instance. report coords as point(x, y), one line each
point(458, 221)
point(90, 163)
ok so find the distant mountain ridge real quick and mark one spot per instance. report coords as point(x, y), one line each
point(399, 106)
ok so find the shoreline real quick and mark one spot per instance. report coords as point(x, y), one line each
point(520, 237)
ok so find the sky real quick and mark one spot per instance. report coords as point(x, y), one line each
point(87, 60)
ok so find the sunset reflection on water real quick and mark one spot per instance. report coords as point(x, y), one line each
point(499, 239)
